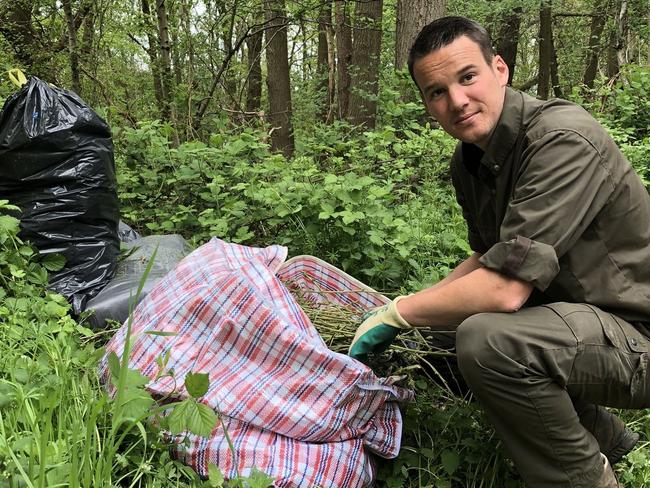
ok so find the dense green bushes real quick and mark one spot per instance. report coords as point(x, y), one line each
point(628, 103)
point(378, 205)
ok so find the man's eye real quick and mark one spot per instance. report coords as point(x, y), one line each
point(469, 77)
point(436, 94)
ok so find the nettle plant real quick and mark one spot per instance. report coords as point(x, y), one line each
point(446, 443)
point(379, 206)
point(136, 415)
point(21, 276)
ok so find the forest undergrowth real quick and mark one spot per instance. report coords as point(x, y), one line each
point(377, 204)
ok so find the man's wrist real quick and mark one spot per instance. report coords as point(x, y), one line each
point(397, 307)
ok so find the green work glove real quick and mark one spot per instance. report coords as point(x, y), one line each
point(378, 329)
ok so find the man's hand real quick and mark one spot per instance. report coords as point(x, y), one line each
point(378, 329)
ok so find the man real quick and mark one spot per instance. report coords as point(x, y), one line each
point(551, 310)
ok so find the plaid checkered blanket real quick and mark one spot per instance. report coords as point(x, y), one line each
point(292, 408)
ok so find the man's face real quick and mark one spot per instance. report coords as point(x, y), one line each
point(462, 91)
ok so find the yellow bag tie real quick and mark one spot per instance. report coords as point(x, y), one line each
point(17, 77)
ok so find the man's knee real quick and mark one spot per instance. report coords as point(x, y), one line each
point(485, 344)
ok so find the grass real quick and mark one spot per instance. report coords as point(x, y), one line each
point(59, 427)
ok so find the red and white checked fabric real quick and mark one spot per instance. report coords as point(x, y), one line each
point(305, 415)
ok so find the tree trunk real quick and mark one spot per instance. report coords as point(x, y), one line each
point(88, 37)
point(331, 78)
point(597, 24)
point(229, 81)
point(165, 59)
point(648, 59)
point(177, 64)
point(186, 26)
point(304, 46)
point(152, 51)
point(72, 46)
point(555, 79)
point(616, 40)
point(545, 50)
point(412, 16)
point(323, 72)
point(16, 26)
point(278, 80)
point(344, 55)
point(254, 85)
point(621, 34)
point(185, 23)
point(612, 60)
point(365, 61)
point(508, 40)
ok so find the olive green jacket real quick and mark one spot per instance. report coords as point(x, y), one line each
point(552, 201)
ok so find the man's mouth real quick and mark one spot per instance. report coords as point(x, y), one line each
point(466, 119)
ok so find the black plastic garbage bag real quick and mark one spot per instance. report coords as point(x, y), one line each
point(119, 296)
point(56, 164)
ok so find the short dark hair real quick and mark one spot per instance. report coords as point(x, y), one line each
point(444, 31)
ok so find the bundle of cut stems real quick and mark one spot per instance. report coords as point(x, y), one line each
point(337, 325)
point(410, 352)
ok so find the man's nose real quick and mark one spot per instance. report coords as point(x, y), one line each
point(458, 99)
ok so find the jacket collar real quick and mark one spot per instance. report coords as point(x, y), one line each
point(505, 134)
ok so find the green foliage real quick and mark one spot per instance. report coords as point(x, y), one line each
point(6, 87)
point(58, 426)
point(634, 469)
point(256, 479)
point(623, 108)
point(447, 442)
point(626, 103)
point(621, 104)
point(372, 205)
point(399, 102)
point(639, 155)
point(46, 376)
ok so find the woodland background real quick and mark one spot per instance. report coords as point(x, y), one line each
point(289, 122)
point(199, 65)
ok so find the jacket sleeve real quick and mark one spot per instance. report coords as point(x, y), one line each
point(562, 185)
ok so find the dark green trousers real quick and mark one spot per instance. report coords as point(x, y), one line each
point(527, 369)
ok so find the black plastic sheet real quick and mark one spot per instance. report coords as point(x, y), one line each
point(56, 164)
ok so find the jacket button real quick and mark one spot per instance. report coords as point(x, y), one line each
point(496, 167)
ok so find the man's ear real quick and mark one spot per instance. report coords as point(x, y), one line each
point(501, 69)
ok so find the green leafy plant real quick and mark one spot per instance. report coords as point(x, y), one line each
point(366, 207)
point(58, 425)
point(446, 443)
